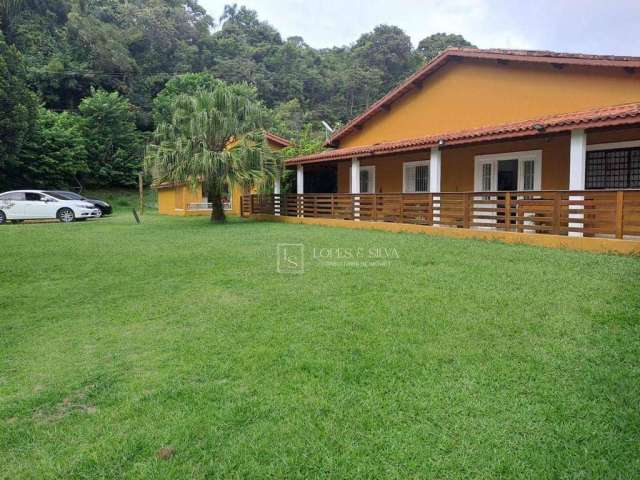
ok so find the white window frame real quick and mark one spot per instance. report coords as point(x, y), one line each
point(494, 158)
point(372, 177)
point(613, 145)
point(414, 164)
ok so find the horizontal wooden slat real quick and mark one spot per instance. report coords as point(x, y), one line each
point(560, 212)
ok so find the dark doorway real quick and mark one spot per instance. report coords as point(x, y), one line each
point(507, 175)
point(317, 179)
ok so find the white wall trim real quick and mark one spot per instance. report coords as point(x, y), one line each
point(613, 145)
point(404, 173)
point(494, 158)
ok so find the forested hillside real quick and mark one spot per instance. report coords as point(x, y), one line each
point(82, 82)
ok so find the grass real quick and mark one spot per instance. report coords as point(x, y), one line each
point(173, 349)
point(123, 198)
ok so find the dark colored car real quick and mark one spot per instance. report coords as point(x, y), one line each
point(104, 207)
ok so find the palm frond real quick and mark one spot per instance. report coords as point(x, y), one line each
point(215, 137)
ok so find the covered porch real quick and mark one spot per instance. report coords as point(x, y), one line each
point(541, 177)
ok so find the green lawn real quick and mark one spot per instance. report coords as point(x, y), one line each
point(123, 198)
point(459, 359)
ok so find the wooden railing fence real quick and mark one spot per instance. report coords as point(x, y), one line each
point(614, 213)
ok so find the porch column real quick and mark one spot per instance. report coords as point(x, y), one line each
point(577, 167)
point(300, 180)
point(355, 187)
point(276, 195)
point(435, 176)
point(300, 190)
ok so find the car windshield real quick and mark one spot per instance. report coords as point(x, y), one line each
point(65, 195)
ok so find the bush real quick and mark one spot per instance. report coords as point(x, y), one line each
point(114, 145)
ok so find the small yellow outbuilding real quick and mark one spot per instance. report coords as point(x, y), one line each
point(183, 200)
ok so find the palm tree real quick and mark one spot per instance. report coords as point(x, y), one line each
point(214, 137)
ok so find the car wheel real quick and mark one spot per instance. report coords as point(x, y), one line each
point(3, 217)
point(99, 213)
point(66, 215)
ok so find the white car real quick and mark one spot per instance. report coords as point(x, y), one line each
point(19, 205)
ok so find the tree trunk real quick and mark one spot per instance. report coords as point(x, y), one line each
point(217, 211)
point(215, 197)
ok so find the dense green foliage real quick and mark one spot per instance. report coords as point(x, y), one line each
point(17, 109)
point(432, 45)
point(55, 153)
point(190, 84)
point(114, 146)
point(99, 145)
point(63, 50)
point(462, 359)
point(214, 137)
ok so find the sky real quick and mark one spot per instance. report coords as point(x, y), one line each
point(579, 26)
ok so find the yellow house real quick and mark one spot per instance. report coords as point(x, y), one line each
point(183, 200)
point(469, 104)
point(513, 140)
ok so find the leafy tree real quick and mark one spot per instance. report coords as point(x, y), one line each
point(114, 146)
point(9, 9)
point(189, 84)
point(245, 23)
point(55, 153)
point(242, 48)
point(388, 50)
point(53, 60)
point(132, 47)
point(18, 107)
point(429, 47)
point(306, 143)
point(145, 49)
point(214, 137)
point(289, 119)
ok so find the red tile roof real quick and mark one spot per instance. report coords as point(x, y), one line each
point(277, 139)
point(626, 114)
point(531, 56)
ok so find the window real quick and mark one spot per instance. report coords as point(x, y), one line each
point(65, 195)
point(416, 177)
point(529, 175)
point(368, 179)
point(422, 178)
point(15, 196)
point(511, 171)
point(486, 177)
point(616, 168)
point(32, 197)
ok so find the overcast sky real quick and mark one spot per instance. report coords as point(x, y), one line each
point(583, 26)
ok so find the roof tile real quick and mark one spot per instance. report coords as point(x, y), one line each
point(598, 117)
point(534, 56)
